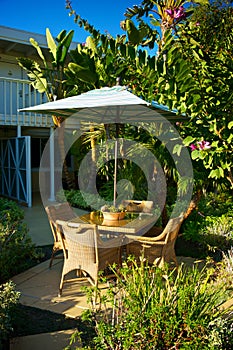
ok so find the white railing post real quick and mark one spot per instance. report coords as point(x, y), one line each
point(16, 94)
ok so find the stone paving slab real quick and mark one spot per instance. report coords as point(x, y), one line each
point(45, 341)
point(39, 288)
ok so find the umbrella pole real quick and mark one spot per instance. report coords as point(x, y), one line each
point(115, 174)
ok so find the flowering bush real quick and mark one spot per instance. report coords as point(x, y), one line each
point(201, 145)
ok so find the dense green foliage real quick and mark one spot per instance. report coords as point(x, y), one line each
point(76, 199)
point(191, 72)
point(162, 309)
point(47, 75)
point(16, 248)
point(211, 224)
point(194, 76)
point(8, 301)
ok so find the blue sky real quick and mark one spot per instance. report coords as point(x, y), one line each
point(35, 16)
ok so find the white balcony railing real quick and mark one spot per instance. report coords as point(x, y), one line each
point(16, 94)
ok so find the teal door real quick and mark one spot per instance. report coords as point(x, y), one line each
point(15, 169)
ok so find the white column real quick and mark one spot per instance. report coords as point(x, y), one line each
point(18, 130)
point(28, 170)
point(52, 168)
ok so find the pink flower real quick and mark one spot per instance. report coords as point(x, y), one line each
point(170, 12)
point(204, 145)
point(179, 13)
point(193, 147)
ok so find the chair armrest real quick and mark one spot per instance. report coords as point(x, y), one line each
point(143, 239)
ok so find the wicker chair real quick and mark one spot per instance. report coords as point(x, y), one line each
point(158, 249)
point(60, 211)
point(87, 252)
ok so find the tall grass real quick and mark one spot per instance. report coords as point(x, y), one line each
point(152, 308)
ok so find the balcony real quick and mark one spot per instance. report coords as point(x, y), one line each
point(16, 94)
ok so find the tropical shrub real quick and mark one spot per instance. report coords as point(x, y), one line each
point(152, 308)
point(10, 212)
point(16, 247)
point(211, 224)
point(78, 200)
point(226, 267)
point(8, 301)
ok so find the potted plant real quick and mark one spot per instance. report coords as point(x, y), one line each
point(113, 213)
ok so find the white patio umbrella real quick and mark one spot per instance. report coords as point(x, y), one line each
point(105, 105)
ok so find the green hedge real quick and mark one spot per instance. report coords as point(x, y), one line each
point(211, 225)
point(8, 301)
point(76, 199)
point(16, 247)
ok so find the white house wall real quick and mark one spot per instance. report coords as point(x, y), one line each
point(16, 92)
point(9, 68)
point(15, 88)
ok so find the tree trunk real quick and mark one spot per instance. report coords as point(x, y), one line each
point(164, 216)
point(193, 204)
point(61, 143)
point(92, 179)
point(230, 178)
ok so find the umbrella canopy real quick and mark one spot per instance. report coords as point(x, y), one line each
point(105, 105)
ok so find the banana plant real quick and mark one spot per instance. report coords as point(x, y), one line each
point(48, 76)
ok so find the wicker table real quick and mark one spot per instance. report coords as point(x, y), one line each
point(133, 223)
